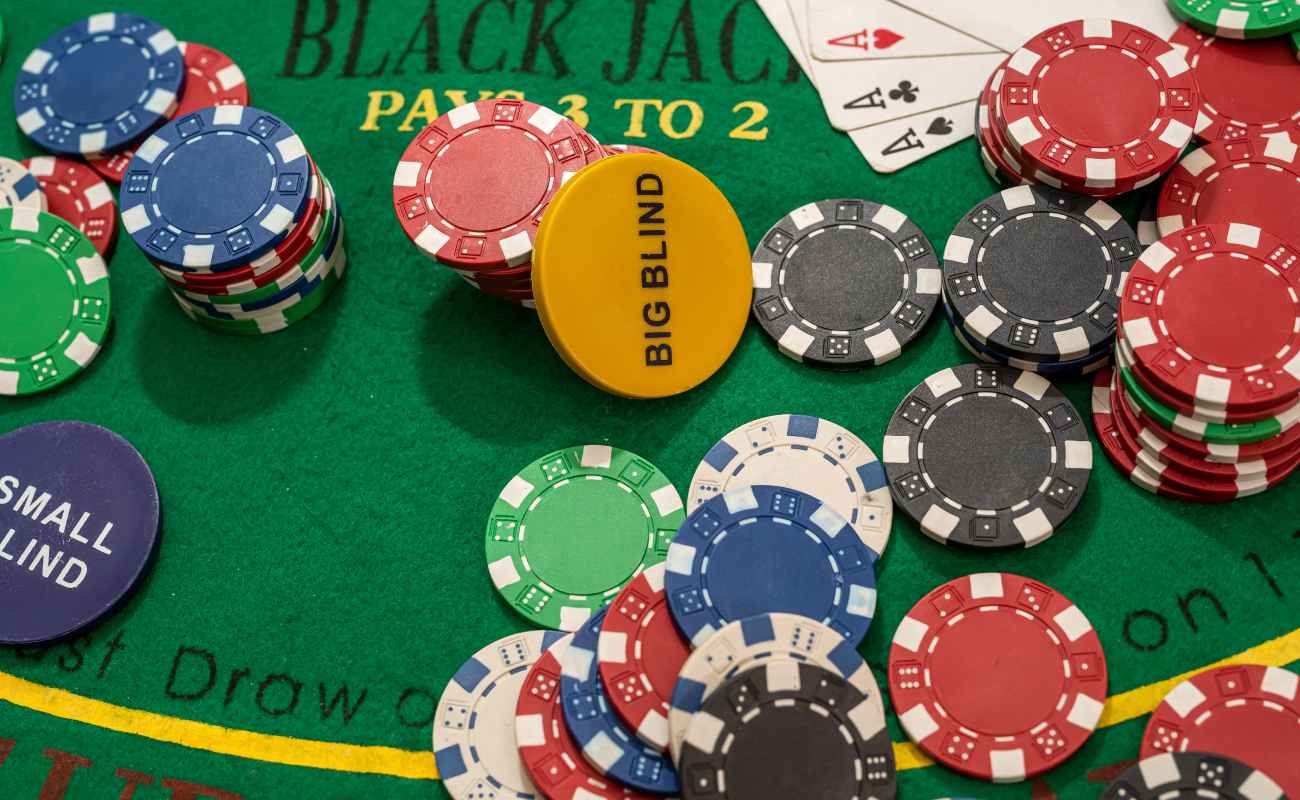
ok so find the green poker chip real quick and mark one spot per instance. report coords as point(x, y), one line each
point(1213, 432)
point(54, 301)
point(278, 318)
point(1239, 19)
point(574, 527)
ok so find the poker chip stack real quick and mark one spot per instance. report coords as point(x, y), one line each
point(470, 189)
point(1071, 109)
point(1031, 279)
point(236, 217)
point(1204, 400)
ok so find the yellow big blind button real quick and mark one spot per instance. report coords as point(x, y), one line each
point(641, 274)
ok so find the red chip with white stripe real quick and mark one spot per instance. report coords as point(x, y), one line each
point(76, 194)
point(641, 653)
point(997, 676)
point(1249, 712)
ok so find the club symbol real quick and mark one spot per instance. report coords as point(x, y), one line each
point(907, 91)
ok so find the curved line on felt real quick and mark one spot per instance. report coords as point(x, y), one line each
point(419, 765)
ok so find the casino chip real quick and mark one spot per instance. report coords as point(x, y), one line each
point(640, 653)
point(18, 187)
point(1052, 369)
point(1199, 430)
point(54, 301)
point(607, 744)
point(1160, 473)
point(215, 189)
point(570, 530)
point(75, 193)
point(470, 188)
point(98, 85)
point(1242, 278)
point(1249, 180)
point(1118, 137)
point(1203, 776)
point(987, 456)
point(1121, 450)
point(973, 709)
point(761, 549)
point(1036, 272)
point(552, 758)
point(474, 726)
point(1248, 89)
point(1239, 19)
point(1248, 712)
point(80, 558)
point(211, 79)
point(813, 455)
point(844, 284)
point(653, 329)
point(788, 729)
point(753, 642)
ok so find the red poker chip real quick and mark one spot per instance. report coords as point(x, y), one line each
point(471, 187)
point(1217, 460)
point(1210, 315)
point(640, 655)
point(976, 709)
point(1255, 180)
point(76, 194)
point(1198, 411)
point(553, 760)
point(1287, 441)
point(1002, 163)
point(211, 79)
point(1217, 481)
point(1121, 450)
point(1099, 103)
point(1248, 88)
point(1249, 712)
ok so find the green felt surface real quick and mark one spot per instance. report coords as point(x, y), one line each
point(326, 488)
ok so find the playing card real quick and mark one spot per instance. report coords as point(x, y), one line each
point(856, 94)
point(881, 29)
point(890, 146)
point(778, 15)
point(1008, 24)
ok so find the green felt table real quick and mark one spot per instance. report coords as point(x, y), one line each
point(326, 489)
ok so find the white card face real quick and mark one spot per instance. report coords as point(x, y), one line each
point(1008, 24)
point(856, 94)
point(890, 146)
point(778, 15)
point(881, 29)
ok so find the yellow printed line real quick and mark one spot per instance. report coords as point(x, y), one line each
point(286, 750)
point(419, 765)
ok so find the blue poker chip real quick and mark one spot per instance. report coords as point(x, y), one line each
point(215, 189)
point(79, 525)
point(609, 745)
point(761, 549)
point(99, 85)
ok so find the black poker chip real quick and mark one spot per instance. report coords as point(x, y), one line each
point(844, 284)
point(1036, 272)
point(788, 729)
point(987, 456)
point(1198, 776)
point(79, 524)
